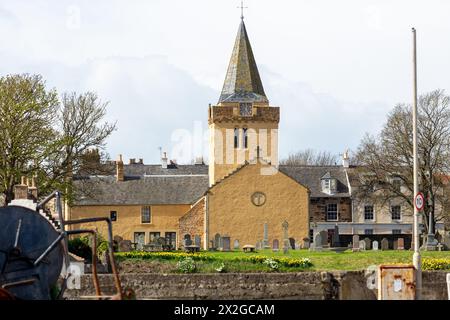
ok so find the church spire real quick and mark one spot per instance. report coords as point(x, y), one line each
point(242, 82)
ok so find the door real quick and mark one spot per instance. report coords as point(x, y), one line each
point(139, 239)
point(171, 239)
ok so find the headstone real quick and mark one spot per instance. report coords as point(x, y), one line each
point(306, 243)
point(266, 237)
point(318, 241)
point(275, 245)
point(375, 245)
point(401, 244)
point(216, 241)
point(384, 244)
point(236, 244)
point(258, 245)
point(226, 244)
point(335, 241)
point(117, 238)
point(362, 245)
point(368, 243)
point(355, 241)
point(187, 240)
point(324, 238)
point(286, 244)
point(292, 243)
point(198, 240)
point(125, 246)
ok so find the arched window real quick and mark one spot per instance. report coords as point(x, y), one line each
point(236, 138)
point(245, 138)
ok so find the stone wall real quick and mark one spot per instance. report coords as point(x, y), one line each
point(318, 209)
point(192, 223)
point(341, 285)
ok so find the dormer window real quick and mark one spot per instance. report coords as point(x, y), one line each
point(329, 184)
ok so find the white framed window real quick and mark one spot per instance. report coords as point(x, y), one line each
point(396, 213)
point(368, 212)
point(368, 231)
point(146, 214)
point(332, 212)
point(396, 231)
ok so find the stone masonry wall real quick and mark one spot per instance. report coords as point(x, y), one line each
point(341, 285)
point(192, 222)
point(318, 209)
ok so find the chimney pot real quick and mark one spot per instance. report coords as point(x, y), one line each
point(164, 161)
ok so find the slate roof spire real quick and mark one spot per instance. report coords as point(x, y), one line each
point(242, 82)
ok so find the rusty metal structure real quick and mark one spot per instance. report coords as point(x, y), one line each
point(33, 252)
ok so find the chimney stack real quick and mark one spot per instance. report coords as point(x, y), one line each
point(164, 161)
point(21, 190)
point(119, 169)
point(345, 159)
point(132, 161)
point(141, 161)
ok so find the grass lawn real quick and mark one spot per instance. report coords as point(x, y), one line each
point(322, 261)
point(348, 260)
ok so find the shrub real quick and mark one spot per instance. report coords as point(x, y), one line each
point(186, 265)
point(272, 264)
point(81, 248)
point(220, 267)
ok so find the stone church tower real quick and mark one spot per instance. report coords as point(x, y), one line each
point(243, 127)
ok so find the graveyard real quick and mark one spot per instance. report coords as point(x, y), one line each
point(239, 261)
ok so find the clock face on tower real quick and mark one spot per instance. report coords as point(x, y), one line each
point(245, 109)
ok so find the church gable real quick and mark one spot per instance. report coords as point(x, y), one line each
point(256, 195)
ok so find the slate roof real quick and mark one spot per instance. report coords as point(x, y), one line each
point(310, 176)
point(147, 190)
point(242, 82)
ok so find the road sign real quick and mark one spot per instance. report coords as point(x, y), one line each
point(419, 201)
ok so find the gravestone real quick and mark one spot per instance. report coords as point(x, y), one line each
point(335, 241)
point(317, 243)
point(125, 246)
point(275, 245)
point(216, 241)
point(265, 243)
point(198, 240)
point(286, 244)
point(306, 243)
point(362, 245)
point(355, 241)
point(384, 244)
point(226, 243)
point(292, 243)
point(375, 245)
point(211, 245)
point(400, 244)
point(324, 238)
point(187, 240)
point(368, 243)
point(236, 244)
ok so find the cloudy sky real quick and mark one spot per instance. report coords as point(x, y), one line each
point(335, 68)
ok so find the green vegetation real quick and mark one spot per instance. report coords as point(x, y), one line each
point(294, 261)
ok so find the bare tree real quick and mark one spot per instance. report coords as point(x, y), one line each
point(387, 160)
point(82, 133)
point(310, 157)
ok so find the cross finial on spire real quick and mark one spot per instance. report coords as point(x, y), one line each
point(242, 9)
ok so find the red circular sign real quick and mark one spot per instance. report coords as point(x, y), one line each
point(419, 201)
